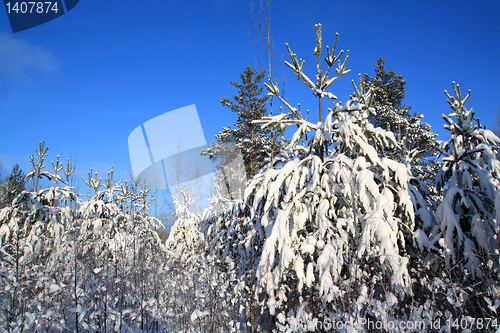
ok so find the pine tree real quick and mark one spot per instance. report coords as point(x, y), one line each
point(389, 88)
point(470, 178)
point(12, 186)
point(249, 104)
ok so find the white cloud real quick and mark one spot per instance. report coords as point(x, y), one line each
point(20, 60)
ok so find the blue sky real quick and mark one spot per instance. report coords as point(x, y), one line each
point(84, 81)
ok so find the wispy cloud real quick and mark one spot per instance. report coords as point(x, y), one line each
point(20, 60)
point(7, 161)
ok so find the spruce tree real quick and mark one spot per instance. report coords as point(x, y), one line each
point(391, 114)
point(389, 88)
point(254, 142)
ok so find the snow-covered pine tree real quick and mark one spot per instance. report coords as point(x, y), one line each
point(322, 231)
point(185, 236)
point(117, 246)
point(32, 233)
point(256, 144)
point(470, 178)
